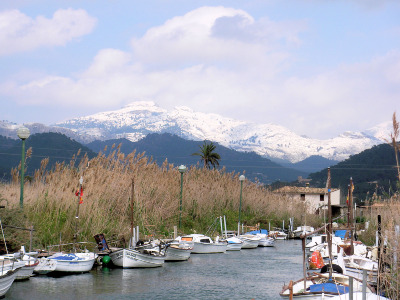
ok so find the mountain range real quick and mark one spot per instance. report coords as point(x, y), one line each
point(138, 119)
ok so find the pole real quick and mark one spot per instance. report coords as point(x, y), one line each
point(180, 205)
point(132, 202)
point(364, 285)
point(330, 223)
point(21, 199)
point(226, 234)
point(351, 216)
point(220, 222)
point(240, 203)
point(303, 246)
point(379, 254)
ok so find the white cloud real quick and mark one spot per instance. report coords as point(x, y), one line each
point(222, 60)
point(20, 33)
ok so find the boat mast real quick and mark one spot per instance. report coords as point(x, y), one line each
point(132, 201)
point(330, 223)
point(351, 215)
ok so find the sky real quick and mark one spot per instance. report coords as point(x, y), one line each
point(316, 67)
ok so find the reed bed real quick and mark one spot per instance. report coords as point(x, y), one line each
point(50, 203)
point(390, 246)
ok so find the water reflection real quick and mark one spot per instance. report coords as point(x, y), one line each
point(251, 273)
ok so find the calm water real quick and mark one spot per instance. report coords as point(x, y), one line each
point(247, 274)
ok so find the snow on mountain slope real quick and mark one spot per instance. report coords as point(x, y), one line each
point(137, 119)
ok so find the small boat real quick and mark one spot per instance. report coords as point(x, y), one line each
point(45, 266)
point(234, 244)
point(250, 241)
point(278, 234)
point(7, 278)
point(73, 262)
point(305, 229)
point(319, 286)
point(204, 244)
point(132, 258)
point(265, 239)
point(178, 251)
point(354, 265)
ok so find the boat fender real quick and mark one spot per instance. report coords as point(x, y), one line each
point(336, 268)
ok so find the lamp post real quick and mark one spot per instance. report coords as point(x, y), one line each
point(182, 170)
point(241, 179)
point(23, 134)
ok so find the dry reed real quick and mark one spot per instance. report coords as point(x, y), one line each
point(50, 202)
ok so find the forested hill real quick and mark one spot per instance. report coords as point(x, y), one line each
point(373, 171)
point(179, 151)
point(55, 146)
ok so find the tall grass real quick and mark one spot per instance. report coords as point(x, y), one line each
point(390, 246)
point(50, 204)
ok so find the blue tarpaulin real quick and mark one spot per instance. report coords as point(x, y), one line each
point(329, 287)
point(265, 231)
point(341, 233)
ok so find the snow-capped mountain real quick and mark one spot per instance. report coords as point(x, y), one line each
point(137, 119)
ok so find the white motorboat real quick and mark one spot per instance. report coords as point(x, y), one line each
point(45, 266)
point(354, 265)
point(178, 251)
point(27, 270)
point(278, 234)
point(203, 244)
point(25, 264)
point(265, 241)
point(250, 241)
point(234, 244)
point(132, 258)
point(305, 229)
point(73, 262)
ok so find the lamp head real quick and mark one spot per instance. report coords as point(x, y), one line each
point(242, 178)
point(182, 168)
point(23, 133)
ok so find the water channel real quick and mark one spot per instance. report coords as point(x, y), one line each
point(247, 274)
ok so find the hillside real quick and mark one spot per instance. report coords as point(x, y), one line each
point(57, 147)
point(373, 171)
point(179, 151)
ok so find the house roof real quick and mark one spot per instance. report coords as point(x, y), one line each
point(302, 190)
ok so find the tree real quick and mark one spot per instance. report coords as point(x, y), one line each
point(207, 156)
point(393, 141)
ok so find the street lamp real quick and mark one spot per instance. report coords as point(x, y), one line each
point(182, 169)
point(23, 134)
point(241, 179)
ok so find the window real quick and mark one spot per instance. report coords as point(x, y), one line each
point(303, 197)
point(321, 197)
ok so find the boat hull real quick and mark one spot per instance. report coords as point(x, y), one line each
point(45, 266)
point(234, 246)
point(6, 280)
point(84, 263)
point(130, 258)
point(204, 248)
point(26, 271)
point(177, 254)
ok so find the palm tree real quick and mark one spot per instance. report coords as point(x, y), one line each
point(207, 156)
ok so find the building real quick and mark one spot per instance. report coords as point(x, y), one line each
point(316, 199)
